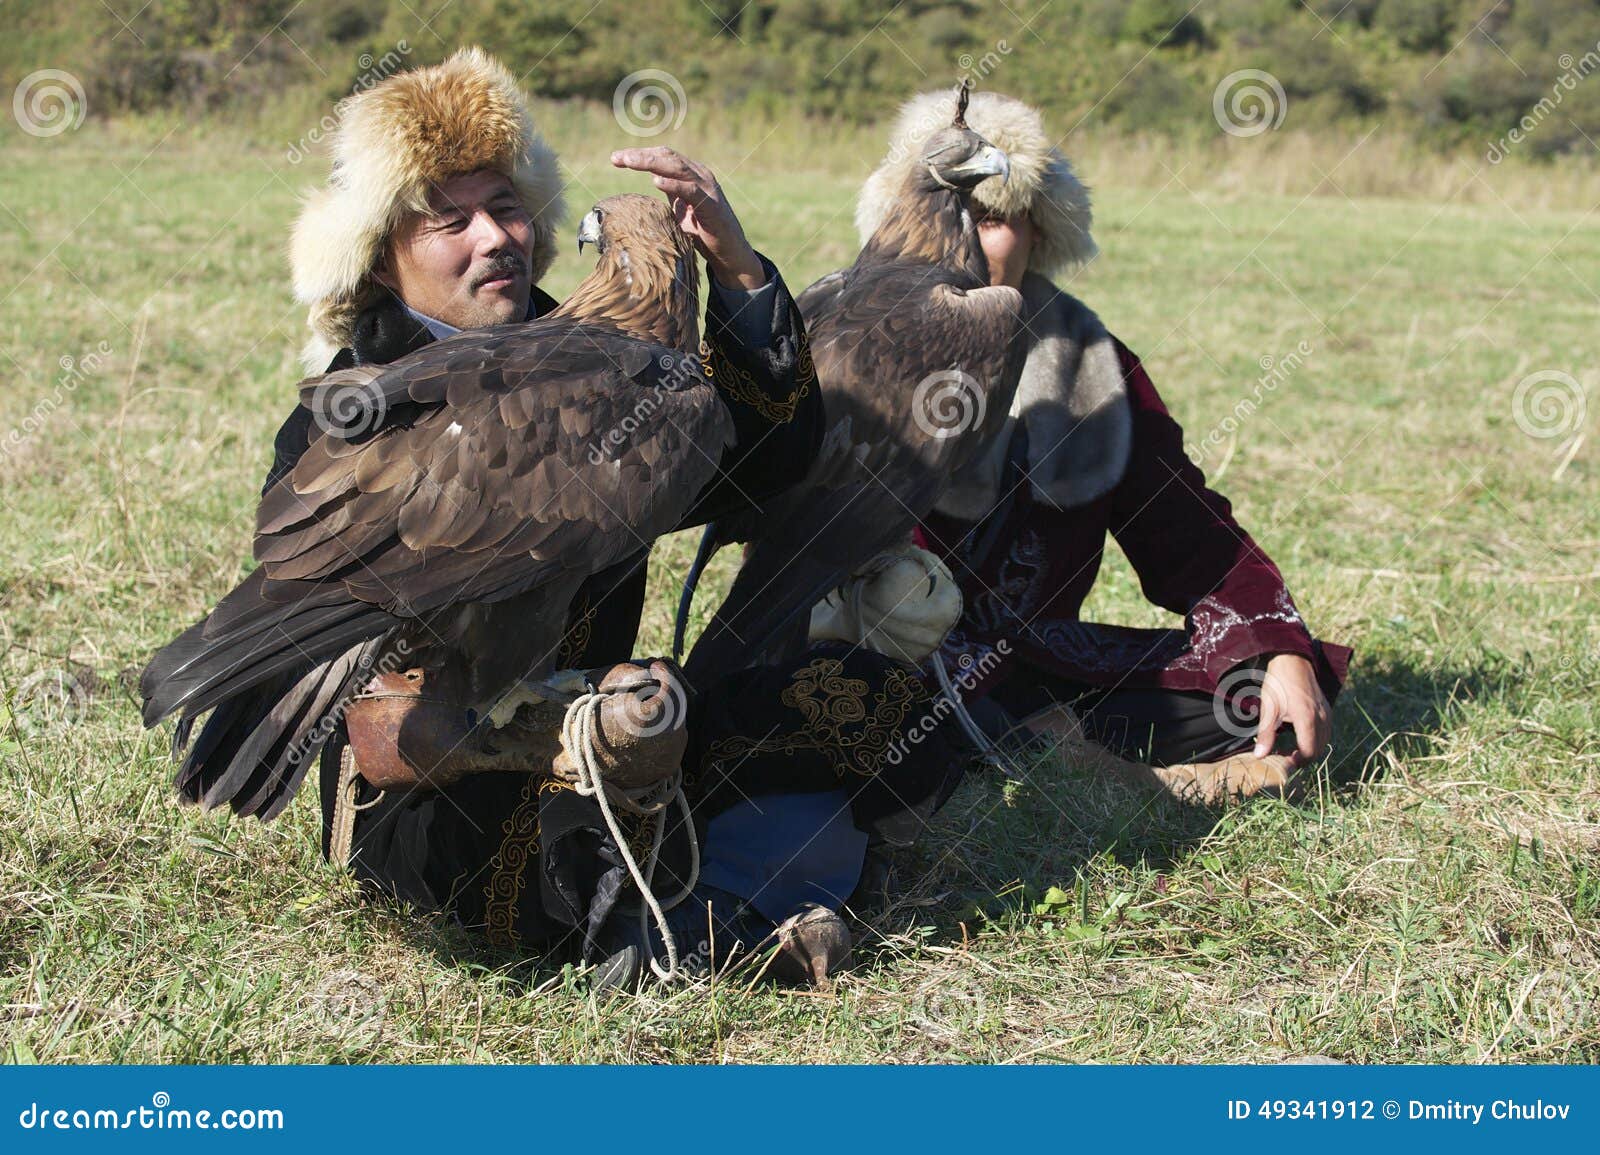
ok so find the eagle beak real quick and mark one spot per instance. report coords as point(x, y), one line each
point(986, 162)
point(589, 230)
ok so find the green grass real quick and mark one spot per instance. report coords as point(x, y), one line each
point(1434, 898)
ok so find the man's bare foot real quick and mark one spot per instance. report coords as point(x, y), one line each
point(1231, 779)
point(1207, 783)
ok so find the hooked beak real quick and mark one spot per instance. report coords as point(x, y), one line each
point(589, 230)
point(986, 162)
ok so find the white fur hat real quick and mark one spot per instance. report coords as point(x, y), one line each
point(1042, 183)
point(394, 142)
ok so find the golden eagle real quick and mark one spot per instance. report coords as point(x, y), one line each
point(448, 518)
point(910, 345)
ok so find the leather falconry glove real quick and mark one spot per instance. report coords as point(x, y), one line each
point(412, 729)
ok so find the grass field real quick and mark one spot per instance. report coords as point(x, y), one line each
point(1435, 898)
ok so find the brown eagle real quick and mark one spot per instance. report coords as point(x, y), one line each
point(910, 345)
point(451, 515)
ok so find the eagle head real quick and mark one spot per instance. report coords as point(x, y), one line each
point(958, 158)
point(927, 223)
point(645, 281)
point(632, 221)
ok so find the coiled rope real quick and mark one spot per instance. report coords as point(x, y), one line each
point(578, 732)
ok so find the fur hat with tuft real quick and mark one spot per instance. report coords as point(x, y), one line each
point(1042, 183)
point(394, 142)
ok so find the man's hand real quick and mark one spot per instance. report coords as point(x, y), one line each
point(1289, 693)
point(702, 212)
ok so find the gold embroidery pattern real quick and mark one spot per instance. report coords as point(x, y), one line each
point(825, 697)
point(741, 386)
point(580, 627)
point(642, 836)
point(829, 703)
point(805, 369)
point(519, 844)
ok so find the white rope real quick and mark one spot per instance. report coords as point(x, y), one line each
point(341, 839)
point(985, 744)
point(578, 740)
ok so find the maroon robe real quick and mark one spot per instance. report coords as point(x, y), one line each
point(1026, 569)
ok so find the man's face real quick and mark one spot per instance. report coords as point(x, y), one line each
point(1007, 246)
point(466, 262)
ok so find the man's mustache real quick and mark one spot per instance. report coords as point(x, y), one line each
point(507, 265)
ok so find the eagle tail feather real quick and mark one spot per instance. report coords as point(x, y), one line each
point(229, 652)
point(223, 732)
point(255, 749)
point(319, 702)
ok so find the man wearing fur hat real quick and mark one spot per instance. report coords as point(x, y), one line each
point(440, 214)
point(1090, 449)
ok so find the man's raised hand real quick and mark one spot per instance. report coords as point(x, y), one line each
point(702, 211)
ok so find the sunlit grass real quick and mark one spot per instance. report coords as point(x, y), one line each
point(1435, 900)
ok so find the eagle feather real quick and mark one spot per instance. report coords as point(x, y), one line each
point(460, 501)
point(915, 310)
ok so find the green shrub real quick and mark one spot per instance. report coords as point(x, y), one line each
point(1419, 25)
point(1164, 23)
point(1440, 69)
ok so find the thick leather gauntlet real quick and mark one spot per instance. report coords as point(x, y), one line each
point(412, 730)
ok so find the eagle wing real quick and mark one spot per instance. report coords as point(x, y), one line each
point(479, 468)
point(514, 459)
point(878, 334)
